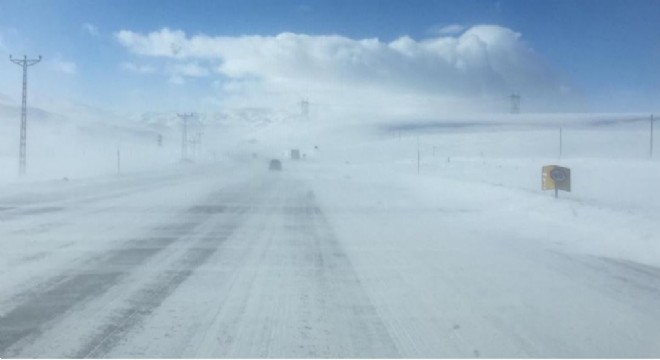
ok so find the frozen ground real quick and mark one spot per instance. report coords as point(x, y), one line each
point(347, 253)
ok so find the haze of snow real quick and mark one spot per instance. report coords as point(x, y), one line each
point(474, 217)
point(402, 152)
point(610, 163)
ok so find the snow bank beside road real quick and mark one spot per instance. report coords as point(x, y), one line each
point(611, 211)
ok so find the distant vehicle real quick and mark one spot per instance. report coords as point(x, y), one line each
point(295, 154)
point(275, 165)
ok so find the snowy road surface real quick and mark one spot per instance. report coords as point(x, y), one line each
point(240, 262)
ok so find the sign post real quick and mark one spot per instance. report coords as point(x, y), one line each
point(556, 178)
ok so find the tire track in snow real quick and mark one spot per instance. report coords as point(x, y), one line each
point(296, 295)
point(147, 299)
point(41, 307)
point(38, 203)
point(367, 333)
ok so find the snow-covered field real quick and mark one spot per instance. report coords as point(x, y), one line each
point(353, 251)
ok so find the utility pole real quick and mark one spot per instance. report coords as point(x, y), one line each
point(184, 134)
point(515, 103)
point(25, 62)
point(196, 138)
point(304, 109)
point(198, 141)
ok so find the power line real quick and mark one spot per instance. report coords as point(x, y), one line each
point(25, 62)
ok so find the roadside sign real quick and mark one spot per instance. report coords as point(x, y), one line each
point(556, 178)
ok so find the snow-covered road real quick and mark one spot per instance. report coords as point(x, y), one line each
point(242, 262)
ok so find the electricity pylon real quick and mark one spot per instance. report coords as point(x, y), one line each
point(184, 134)
point(515, 103)
point(304, 109)
point(25, 62)
point(197, 139)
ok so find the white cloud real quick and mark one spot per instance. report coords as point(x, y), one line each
point(63, 66)
point(453, 29)
point(176, 80)
point(139, 69)
point(176, 71)
point(484, 63)
point(162, 43)
point(192, 69)
point(91, 29)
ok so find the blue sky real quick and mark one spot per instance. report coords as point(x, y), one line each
point(609, 51)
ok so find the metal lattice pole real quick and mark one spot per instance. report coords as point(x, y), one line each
point(198, 139)
point(184, 135)
point(24, 63)
point(515, 103)
point(304, 109)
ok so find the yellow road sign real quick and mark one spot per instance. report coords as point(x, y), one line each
point(556, 177)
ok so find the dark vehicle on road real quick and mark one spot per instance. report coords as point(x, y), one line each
point(275, 165)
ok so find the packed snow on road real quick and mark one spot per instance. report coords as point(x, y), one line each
point(390, 238)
